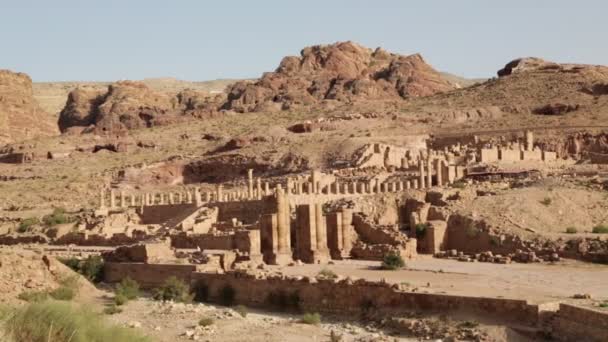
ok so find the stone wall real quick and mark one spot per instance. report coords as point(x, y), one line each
point(247, 212)
point(353, 298)
point(147, 275)
point(159, 214)
point(572, 323)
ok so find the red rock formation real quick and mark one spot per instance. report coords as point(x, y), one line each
point(20, 116)
point(342, 71)
point(132, 105)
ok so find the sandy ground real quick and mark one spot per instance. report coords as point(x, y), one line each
point(534, 282)
point(165, 321)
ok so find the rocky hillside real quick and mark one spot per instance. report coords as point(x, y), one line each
point(131, 105)
point(529, 89)
point(342, 71)
point(52, 95)
point(20, 116)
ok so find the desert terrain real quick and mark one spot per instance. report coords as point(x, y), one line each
point(352, 194)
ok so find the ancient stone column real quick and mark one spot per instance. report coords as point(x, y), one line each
point(321, 231)
point(258, 185)
point(102, 199)
point(408, 184)
point(188, 197)
point(421, 177)
point(299, 188)
point(283, 222)
point(415, 184)
point(529, 140)
point(123, 201)
point(315, 179)
point(220, 193)
point(267, 189)
point(347, 232)
point(132, 200)
point(250, 183)
point(112, 199)
point(429, 175)
point(197, 197)
point(439, 170)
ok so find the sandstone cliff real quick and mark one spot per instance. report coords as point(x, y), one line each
point(342, 71)
point(20, 116)
point(132, 105)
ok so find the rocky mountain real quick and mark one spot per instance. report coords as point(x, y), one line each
point(343, 71)
point(20, 116)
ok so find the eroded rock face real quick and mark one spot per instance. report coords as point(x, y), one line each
point(525, 64)
point(342, 71)
point(130, 105)
point(20, 116)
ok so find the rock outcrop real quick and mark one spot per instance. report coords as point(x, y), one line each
point(342, 71)
point(20, 116)
point(131, 105)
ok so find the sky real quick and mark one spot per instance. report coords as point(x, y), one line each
point(70, 40)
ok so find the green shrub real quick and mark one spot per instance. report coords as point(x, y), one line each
point(120, 299)
point(59, 321)
point(91, 267)
point(241, 310)
point(112, 310)
point(546, 201)
point(206, 321)
point(128, 288)
point(421, 230)
point(227, 294)
point(392, 261)
point(63, 293)
point(33, 296)
point(327, 274)
point(173, 289)
point(571, 230)
point(311, 318)
point(26, 224)
point(600, 229)
point(459, 184)
point(603, 305)
point(58, 216)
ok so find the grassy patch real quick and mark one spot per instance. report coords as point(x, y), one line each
point(128, 288)
point(63, 293)
point(546, 201)
point(241, 310)
point(326, 274)
point(112, 310)
point(206, 321)
point(26, 224)
point(600, 229)
point(58, 321)
point(571, 230)
point(58, 216)
point(392, 261)
point(311, 318)
point(33, 296)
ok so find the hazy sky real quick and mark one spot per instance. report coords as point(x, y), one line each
point(107, 40)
